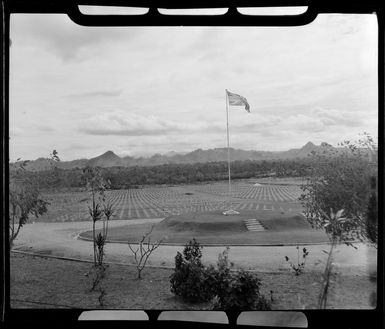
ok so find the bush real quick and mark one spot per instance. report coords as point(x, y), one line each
point(225, 289)
point(234, 290)
point(188, 279)
point(300, 266)
point(243, 293)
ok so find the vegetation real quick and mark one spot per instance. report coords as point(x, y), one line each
point(212, 228)
point(372, 213)
point(225, 289)
point(335, 220)
point(144, 251)
point(96, 185)
point(24, 196)
point(24, 200)
point(130, 177)
point(38, 282)
point(188, 279)
point(343, 182)
point(346, 183)
point(300, 266)
point(234, 290)
point(98, 210)
point(162, 201)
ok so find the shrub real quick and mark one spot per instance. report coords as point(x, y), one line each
point(192, 252)
point(188, 279)
point(240, 291)
point(144, 251)
point(300, 266)
point(234, 290)
point(217, 279)
point(226, 289)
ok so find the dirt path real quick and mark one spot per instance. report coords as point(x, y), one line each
point(60, 239)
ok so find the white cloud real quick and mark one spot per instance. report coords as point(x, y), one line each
point(63, 38)
point(316, 82)
point(122, 123)
point(96, 93)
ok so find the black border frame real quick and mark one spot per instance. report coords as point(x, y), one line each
point(316, 318)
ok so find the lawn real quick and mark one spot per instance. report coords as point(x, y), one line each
point(161, 201)
point(38, 282)
point(215, 228)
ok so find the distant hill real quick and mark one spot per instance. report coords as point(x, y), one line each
point(110, 159)
point(305, 150)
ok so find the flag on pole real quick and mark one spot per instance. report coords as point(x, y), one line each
point(238, 100)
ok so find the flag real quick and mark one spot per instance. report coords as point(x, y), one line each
point(238, 100)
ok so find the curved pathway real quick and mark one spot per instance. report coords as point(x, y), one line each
point(60, 240)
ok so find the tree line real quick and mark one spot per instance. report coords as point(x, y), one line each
point(131, 177)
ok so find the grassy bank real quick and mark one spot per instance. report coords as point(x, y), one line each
point(38, 282)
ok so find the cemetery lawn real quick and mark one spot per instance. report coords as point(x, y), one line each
point(213, 228)
point(42, 282)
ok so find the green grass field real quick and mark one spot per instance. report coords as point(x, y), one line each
point(164, 201)
point(215, 228)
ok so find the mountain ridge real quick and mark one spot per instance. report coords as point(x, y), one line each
point(110, 159)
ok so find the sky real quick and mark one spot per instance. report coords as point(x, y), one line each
point(139, 90)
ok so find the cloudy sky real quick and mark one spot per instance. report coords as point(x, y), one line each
point(140, 91)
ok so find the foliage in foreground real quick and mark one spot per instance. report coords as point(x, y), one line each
point(346, 181)
point(99, 210)
point(188, 279)
point(97, 275)
point(301, 261)
point(235, 290)
point(24, 195)
point(225, 289)
point(144, 251)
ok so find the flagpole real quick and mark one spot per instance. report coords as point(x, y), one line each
point(228, 148)
point(235, 100)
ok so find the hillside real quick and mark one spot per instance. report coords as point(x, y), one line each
point(110, 159)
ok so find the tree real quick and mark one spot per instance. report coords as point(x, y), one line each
point(24, 200)
point(24, 197)
point(53, 178)
point(340, 198)
point(97, 185)
point(343, 180)
point(372, 212)
point(333, 227)
point(99, 209)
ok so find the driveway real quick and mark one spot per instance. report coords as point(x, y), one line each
point(60, 240)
